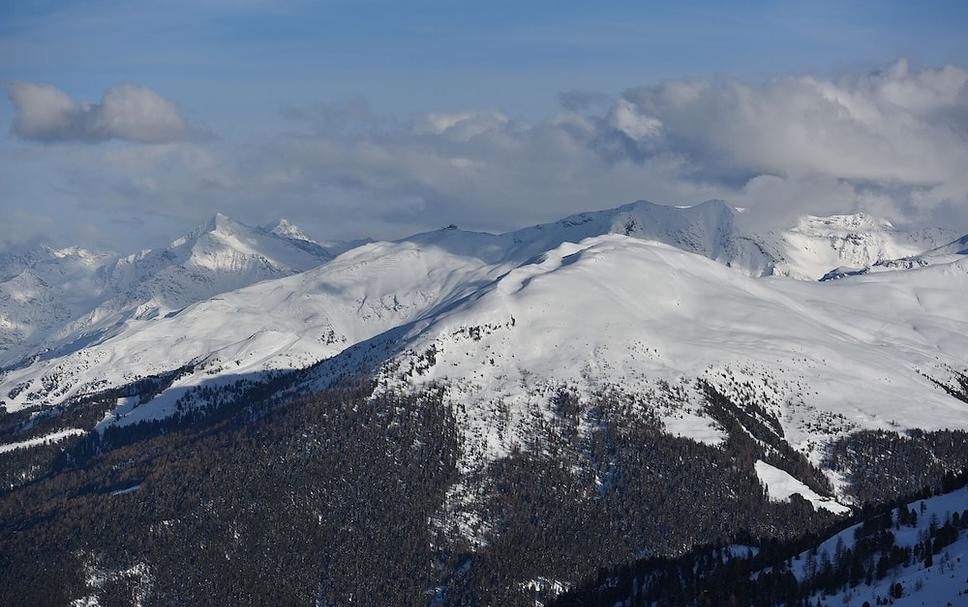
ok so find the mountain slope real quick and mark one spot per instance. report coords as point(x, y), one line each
point(914, 553)
point(518, 410)
point(947, 253)
point(279, 324)
point(824, 359)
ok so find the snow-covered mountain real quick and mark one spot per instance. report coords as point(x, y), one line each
point(557, 351)
point(947, 253)
point(844, 244)
point(42, 289)
point(323, 249)
point(956, 247)
point(299, 321)
point(280, 324)
point(615, 313)
point(58, 301)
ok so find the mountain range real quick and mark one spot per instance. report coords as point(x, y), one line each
point(784, 348)
point(664, 293)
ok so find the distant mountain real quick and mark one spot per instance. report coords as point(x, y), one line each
point(706, 229)
point(956, 247)
point(287, 230)
point(165, 314)
point(41, 290)
point(64, 300)
point(947, 253)
point(322, 249)
point(816, 246)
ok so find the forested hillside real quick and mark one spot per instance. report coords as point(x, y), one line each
point(342, 497)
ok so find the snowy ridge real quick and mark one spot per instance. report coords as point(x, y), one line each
point(287, 230)
point(948, 253)
point(41, 289)
point(115, 343)
point(42, 440)
point(281, 324)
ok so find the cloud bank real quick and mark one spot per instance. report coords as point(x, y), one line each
point(892, 142)
point(129, 112)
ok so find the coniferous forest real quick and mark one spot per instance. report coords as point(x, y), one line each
point(344, 498)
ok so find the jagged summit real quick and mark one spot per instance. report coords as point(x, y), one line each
point(72, 296)
point(218, 222)
point(288, 230)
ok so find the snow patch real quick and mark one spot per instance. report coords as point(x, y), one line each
point(781, 485)
point(48, 439)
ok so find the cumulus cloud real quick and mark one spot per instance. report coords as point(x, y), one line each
point(893, 142)
point(129, 112)
point(888, 126)
point(896, 132)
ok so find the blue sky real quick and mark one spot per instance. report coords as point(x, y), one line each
point(233, 69)
point(228, 62)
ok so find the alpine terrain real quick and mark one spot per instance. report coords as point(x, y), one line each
point(644, 405)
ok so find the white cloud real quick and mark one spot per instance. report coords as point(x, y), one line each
point(900, 132)
point(894, 143)
point(460, 125)
point(128, 111)
point(628, 119)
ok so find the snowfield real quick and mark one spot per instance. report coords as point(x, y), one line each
point(781, 485)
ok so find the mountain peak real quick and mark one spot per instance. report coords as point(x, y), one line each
point(221, 222)
point(287, 229)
